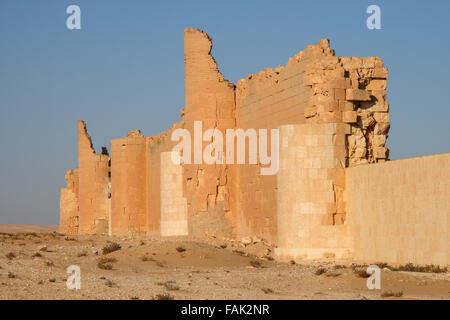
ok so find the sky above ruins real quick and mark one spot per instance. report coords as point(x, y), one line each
point(124, 70)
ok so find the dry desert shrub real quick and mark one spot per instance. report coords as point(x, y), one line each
point(82, 254)
point(333, 274)
point(111, 248)
point(361, 272)
point(111, 284)
point(160, 264)
point(171, 285)
point(407, 267)
point(105, 263)
point(36, 255)
point(180, 249)
point(382, 265)
point(418, 268)
point(145, 258)
point(49, 263)
point(17, 237)
point(163, 296)
point(256, 264)
point(397, 294)
point(10, 255)
point(104, 266)
point(30, 234)
point(320, 271)
point(12, 275)
point(267, 290)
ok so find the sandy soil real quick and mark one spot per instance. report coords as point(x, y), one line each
point(215, 269)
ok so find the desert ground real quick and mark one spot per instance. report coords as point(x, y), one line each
point(34, 259)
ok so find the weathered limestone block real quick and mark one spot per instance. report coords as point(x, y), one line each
point(379, 140)
point(380, 73)
point(381, 153)
point(376, 84)
point(346, 106)
point(349, 116)
point(381, 117)
point(357, 95)
point(381, 128)
point(340, 93)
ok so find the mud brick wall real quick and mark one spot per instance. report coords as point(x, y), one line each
point(399, 211)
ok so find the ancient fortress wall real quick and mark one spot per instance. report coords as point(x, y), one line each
point(93, 185)
point(310, 164)
point(314, 87)
point(128, 183)
point(399, 211)
point(210, 99)
point(333, 121)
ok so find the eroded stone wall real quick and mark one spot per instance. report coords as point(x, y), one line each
point(314, 87)
point(93, 175)
point(330, 188)
point(211, 100)
point(69, 213)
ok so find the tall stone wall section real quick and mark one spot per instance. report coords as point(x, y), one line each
point(93, 175)
point(311, 157)
point(399, 211)
point(69, 213)
point(268, 99)
point(210, 99)
point(314, 87)
point(128, 183)
point(156, 146)
point(173, 203)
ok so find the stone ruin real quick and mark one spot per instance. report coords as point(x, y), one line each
point(335, 195)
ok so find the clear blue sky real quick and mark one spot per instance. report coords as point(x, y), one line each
point(124, 70)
